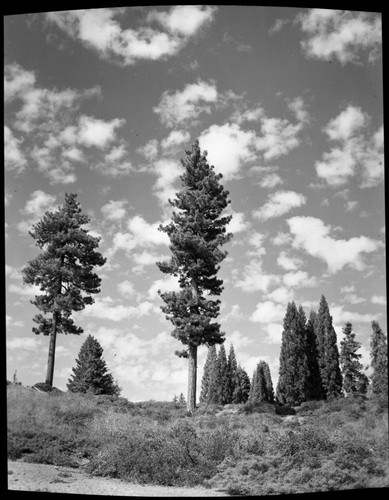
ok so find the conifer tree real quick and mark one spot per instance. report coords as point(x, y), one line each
point(293, 372)
point(197, 232)
point(379, 361)
point(63, 271)
point(232, 373)
point(315, 389)
point(210, 377)
point(90, 374)
point(242, 388)
point(268, 381)
point(223, 385)
point(354, 380)
point(329, 366)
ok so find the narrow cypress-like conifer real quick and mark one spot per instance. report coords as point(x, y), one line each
point(330, 373)
point(232, 369)
point(268, 382)
point(292, 382)
point(315, 388)
point(379, 361)
point(223, 388)
point(242, 388)
point(354, 380)
point(208, 383)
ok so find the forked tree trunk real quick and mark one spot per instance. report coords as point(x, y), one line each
point(51, 358)
point(192, 379)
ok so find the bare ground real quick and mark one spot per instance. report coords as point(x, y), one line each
point(24, 476)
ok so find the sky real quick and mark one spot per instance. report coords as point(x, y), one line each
point(287, 102)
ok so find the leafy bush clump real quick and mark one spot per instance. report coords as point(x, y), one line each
point(175, 454)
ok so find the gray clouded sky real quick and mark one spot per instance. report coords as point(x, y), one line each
point(289, 105)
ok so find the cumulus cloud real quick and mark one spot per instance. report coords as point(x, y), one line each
point(100, 30)
point(109, 309)
point(167, 172)
point(278, 204)
point(254, 278)
point(139, 234)
point(35, 207)
point(341, 35)
point(115, 211)
point(186, 105)
point(268, 312)
point(175, 138)
point(25, 343)
point(168, 284)
point(289, 263)
point(378, 299)
point(51, 134)
point(314, 237)
point(14, 157)
point(238, 148)
point(356, 153)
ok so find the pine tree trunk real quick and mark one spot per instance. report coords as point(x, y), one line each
point(192, 378)
point(51, 358)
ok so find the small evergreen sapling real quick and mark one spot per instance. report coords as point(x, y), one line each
point(91, 374)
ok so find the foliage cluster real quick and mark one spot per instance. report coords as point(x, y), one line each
point(327, 445)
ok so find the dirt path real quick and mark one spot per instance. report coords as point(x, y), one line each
point(39, 477)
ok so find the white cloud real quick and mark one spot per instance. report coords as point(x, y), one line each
point(238, 223)
point(143, 259)
point(179, 107)
point(346, 124)
point(268, 312)
point(340, 316)
point(378, 299)
point(343, 35)
point(169, 284)
point(140, 234)
point(35, 207)
point(11, 322)
point(254, 278)
point(98, 133)
point(17, 82)
point(298, 278)
point(23, 343)
point(98, 29)
point(274, 333)
point(149, 150)
point(278, 204)
point(115, 210)
point(167, 171)
point(175, 138)
point(126, 288)
point(184, 20)
point(14, 157)
point(313, 236)
point(281, 295)
point(234, 313)
point(109, 309)
point(229, 148)
point(289, 263)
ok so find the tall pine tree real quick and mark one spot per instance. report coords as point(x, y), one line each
point(354, 380)
point(63, 271)
point(197, 232)
point(329, 366)
point(91, 374)
point(293, 372)
point(379, 361)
